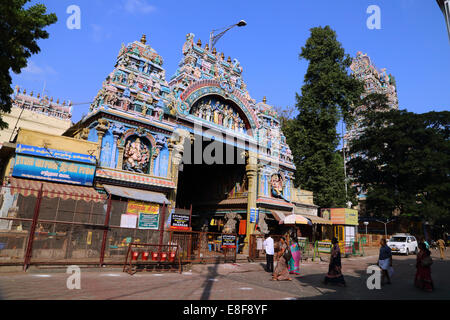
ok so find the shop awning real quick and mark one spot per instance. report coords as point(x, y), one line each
point(288, 218)
point(28, 187)
point(317, 220)
point(296, 219)
point(136, 194)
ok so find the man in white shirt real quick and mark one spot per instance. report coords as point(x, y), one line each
point(268, 246)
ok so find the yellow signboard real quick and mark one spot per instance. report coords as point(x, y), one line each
point(136, 207)
point(351, 217)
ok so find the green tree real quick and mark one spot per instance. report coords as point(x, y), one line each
point(327, 96)
point(402, 160)
point(19, 30)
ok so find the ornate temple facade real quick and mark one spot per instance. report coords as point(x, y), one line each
point(148, 128)
point(31, 111)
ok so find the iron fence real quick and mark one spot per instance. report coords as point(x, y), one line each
point(202, 247)
point(60, 228)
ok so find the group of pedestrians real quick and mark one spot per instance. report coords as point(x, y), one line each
point(288, 258)
point(288, 262)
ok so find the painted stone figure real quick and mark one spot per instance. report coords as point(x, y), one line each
point(136, 156)
point(276, 182)
point(230, 225)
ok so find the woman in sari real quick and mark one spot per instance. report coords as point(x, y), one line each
point(423, 264)
point(281, 270)
point(335, 268)
point(294, 262)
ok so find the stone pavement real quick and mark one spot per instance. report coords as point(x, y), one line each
point(240, 281)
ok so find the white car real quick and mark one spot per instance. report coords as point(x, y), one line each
point(403, 243)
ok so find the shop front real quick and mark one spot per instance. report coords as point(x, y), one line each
point(48, 193)
point(345, 225)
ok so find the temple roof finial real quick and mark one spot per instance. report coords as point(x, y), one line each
point(264, 99)
point(143, 39)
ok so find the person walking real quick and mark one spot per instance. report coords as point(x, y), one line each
point(281, 270)
point(441, 245)
point(294, 262)
point(385, 261)
point(423, 264)
point(268, 247)
point(335, 268)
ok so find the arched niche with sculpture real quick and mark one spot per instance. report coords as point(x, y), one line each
point(138, 148)
point(222, 112)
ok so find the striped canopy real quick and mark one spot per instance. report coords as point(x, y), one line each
point(28, 187)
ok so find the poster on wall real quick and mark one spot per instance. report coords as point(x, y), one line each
point(228, 241)
point(128, 221)
point(324, 246)
point(134, 207)
point(148, 221)
point(179, 222)
point(252, 215)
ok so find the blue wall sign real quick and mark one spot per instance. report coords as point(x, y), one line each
point(54, 154)
point(53, 170)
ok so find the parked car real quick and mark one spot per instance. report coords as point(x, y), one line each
point(403, 243)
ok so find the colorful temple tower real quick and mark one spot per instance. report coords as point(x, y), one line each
point(149, 130)
point(375, 81)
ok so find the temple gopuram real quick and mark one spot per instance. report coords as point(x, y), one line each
point(375, 81)
point(154, 135)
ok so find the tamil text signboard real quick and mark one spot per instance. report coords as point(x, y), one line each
point(228, 241)
point(53, 170)
point(54, 154)
point(179, 222)
point(148, 221)
point(324, 246)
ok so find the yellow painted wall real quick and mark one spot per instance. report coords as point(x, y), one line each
point(302, 196)
point(32, 121)
point(41, 139)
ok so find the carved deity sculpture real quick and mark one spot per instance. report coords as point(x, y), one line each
point(230, 225)
point(276, 182)
point(263, 228)
point(136, 156)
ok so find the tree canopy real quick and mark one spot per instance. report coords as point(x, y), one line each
point(19, 30)
point(327, 96)
point(402, 161)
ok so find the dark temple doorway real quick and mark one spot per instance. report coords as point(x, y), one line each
point(211, 188)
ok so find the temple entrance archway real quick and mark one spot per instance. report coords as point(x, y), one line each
point(212, 188)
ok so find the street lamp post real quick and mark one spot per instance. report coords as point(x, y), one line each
point(366, 223)
point(385, 225)
point(214, 38)
point(445, 8)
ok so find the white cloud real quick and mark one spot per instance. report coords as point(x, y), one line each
point(138, 6)
point(33, 69)
point(98, 33)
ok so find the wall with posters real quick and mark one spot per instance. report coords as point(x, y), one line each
point(141, 215)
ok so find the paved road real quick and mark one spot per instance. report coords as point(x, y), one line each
point(246, 281)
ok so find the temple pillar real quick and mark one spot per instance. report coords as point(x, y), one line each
point(176, 147)
point(252, 172)
point(120, 157)
point(152, 164)
point(101, 128)
point(116, 135)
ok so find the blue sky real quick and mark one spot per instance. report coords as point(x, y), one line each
point(412, 44)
